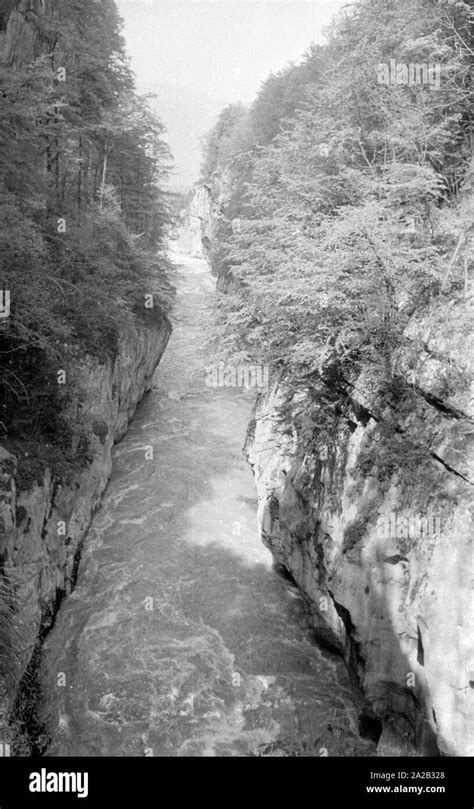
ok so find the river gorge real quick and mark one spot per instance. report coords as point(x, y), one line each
point(236, 401)
point(180, 638)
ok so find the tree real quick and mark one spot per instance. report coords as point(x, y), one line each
point(336, 236)
point(88, 153)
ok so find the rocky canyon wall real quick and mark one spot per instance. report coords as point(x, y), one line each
point(25, 33)
point(200, 220)
point(46, 506)
point(206, 223)
point(378, 542)
point(383, 560)
point(45, 515)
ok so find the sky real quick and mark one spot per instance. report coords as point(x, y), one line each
point(223, 49)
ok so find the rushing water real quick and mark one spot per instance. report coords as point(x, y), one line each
point(180, 639)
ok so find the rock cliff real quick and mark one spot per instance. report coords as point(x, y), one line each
point(44, 519)
point(383, 559)
point(206, 224)
point(375, 524)
point(199, 224)
point(25, 34)
point(46, 507)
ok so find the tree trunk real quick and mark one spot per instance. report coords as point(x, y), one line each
point(104, 174)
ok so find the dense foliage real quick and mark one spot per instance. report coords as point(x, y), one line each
point(82, 216)
point(347, 199)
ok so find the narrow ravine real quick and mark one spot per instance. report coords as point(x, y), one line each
point(180, 638)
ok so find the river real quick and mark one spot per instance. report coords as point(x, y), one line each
point(180, 638)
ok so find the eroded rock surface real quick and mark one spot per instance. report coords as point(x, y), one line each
point(43, 521)
point(396, 602)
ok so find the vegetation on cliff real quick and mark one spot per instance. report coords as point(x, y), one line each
point(82, 216)
point(348, 212)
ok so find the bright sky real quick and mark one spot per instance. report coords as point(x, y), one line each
point(220, 48)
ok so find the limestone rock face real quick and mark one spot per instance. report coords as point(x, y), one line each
point(42, 526)
point(200, 221)
point(206, 217)
point(24, 35)
point(390, 590)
